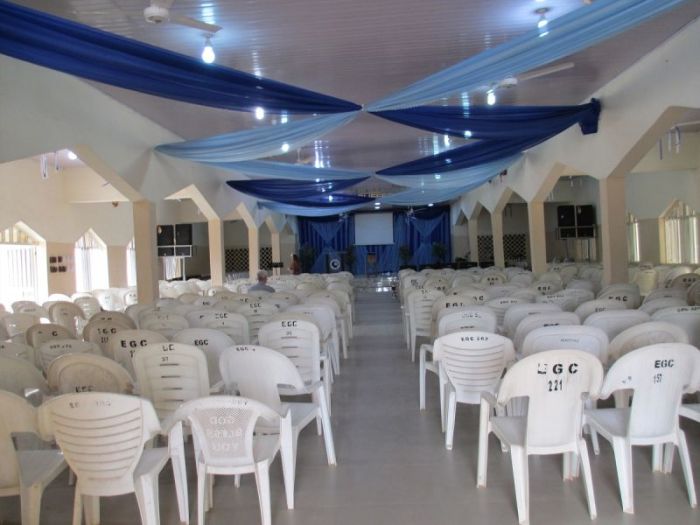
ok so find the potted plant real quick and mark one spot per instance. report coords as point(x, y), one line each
point(439, 252)
point(307, 257)
point(404, 255)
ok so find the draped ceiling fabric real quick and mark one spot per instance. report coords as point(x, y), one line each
point(283, 170)
point(568, 34)
point(83, 51)
point(255, 143)
point(309, 211)
point(329, 237)
point(498, 122)
point(293, 192)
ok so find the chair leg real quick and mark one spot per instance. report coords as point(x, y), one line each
point(521, 482)
point(657, 454)
point(687, 468)
point(91, 507)
point(77, 506)
point(177, 460)
point(484, 415)
point(327, 430)
point(443, 386)
point(237, 481)
point(30, 504)
point(585, 463)
point(421, 379)
point(623, 459)
point(262, 480)
point(413, 347)
point(201, 492)
point(451, 415)
point(146, 489)
point(288, 457)
point(210, 492)
point(669, 450)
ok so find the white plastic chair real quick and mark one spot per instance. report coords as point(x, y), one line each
point(22, 378)
point(693, 296)
point(125, 343)
point(651, 307)
point(164, 323)
point(584, 338)
point(257, 313)
point(71, 373)
point(257, 372)
point(546, 287)
point(232, 324)
point(518, 312)
point(16, 324)
point(38, 334)
point(612, 322)
point(531, 322)
point(658, 375)
point(117, 317)
point(684, 281)
point(626, 293)
point(67, 314)
point(101, 333)
point(566, 302)
point(86, 426)
point(18, 350)
point(88, 304)
point(687, 317)
point(419, 311)
point(25, 473)
point(646, 280)
point(645, 334)
point(54, 348)
point(664, 293)
point(469, 363)
point(584, 310)
point(210, 341)
point(555, 383)
point(325, 320)
point(225, 444)
point(501, 305)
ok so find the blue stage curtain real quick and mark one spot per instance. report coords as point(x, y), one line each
point(424, 228)
point(283, 170)
point(566, 35)
point(83, 51)
point(329, 237)
point(309, 211)
point(255, 143)
point(294, 192)
point(498, 122)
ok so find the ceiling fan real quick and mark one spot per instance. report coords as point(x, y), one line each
point(159, 12)
point(535, 73)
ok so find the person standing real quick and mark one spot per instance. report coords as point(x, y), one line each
point(295, 265)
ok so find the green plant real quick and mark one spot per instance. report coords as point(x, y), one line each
point(439, 252)
point(404, 254)
point(307, 257)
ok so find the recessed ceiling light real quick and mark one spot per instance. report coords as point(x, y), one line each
point(285, 147)
point(259, 113)
point(490, 97)
point(330, 198)
point(431, 205)
point(208, 55)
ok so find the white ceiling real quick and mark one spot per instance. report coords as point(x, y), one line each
point(359, 50)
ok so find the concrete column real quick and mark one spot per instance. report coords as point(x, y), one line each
point(276, 249)
point(217, 266)
point(497, 233)
point(146, 256)
point(538, 239)
point(253, 250)
point(116, 259)
point(473, 227)
point(613, 229)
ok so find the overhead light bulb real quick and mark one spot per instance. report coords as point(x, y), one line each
point(467, 134)
point(259, 113)
point(431, 205)
point(208, 55)
point(72, 156)
point(318, 180)
point(542, 22)
point(491, 97)
point(285, 147)
point(437, 176)
point(330, 198)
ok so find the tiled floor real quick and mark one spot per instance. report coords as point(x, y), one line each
point(393, 468)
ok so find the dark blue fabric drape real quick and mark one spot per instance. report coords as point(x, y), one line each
point(498, 122)
point(294, 191)
point(419, 231)
point(80, 50)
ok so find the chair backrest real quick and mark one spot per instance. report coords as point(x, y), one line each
point(531, 322)
point(477, 295)
point(626, 293)
point(86, 427)
point(109, 299)
point(693, 296)
point(420, 309)
point(54, 348)
point(31, 308)
point(101, 332)
point(664, 293)
point(564, 301)
point(475, 317)
point(493, 279)
point(450, 302)
point(232, 324)
point(125, 343)
point(612, 322)
point(524, 278)
point(88, 304)
point(18, 375)
point(256, 372)
point(164, 323)
point(651, 307)
point(584, 310)
point(71, 373)
point(684, 280)
point(584, 338)
point(16, 415)
point(473, 361)
point(645, 334)
point(546, 287)
point(210, 341)
point(171, 373)
point(66, 314)
point(299, 340)
point(20, 350)
point(501, 305)
point(257, 313)
point(658, 375)
point(38, 334)
point(645, 279)
point(323, 318)
point(223, 427)
point(518, 312)
point(17, 324)
point(581, 284)
point(503, 290)
point(117, 317)
point(554, 383)
point(687, 317)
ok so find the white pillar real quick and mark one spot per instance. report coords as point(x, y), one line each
point(217, 268)
point(473, 227)
point(253, 250)
point(613, 230)
point(497, 234)
point(538, 239)
point(144, 213)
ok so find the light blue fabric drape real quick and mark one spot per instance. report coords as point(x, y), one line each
point(256, 143)
point(424, 252)
point(327, 232)
point(283, 170)
point(421, 197)
point(307, 211)
point(453, 179)
point(568, 34)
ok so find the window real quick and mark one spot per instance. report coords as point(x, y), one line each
point(91, 266)
point(131, 263)
point(633, 251)
point(680, 234)
point(19, 266)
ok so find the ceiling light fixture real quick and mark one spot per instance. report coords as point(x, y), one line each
point(542, 22)
point(330, 198)
point(259, 113)
point(208, 55)
point(431, 205)
point(71, 155)
point(491, 97)
point(285, 147)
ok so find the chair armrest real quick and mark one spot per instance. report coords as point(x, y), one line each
point(217, 388)
point(489, 398)
point(427, 348)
